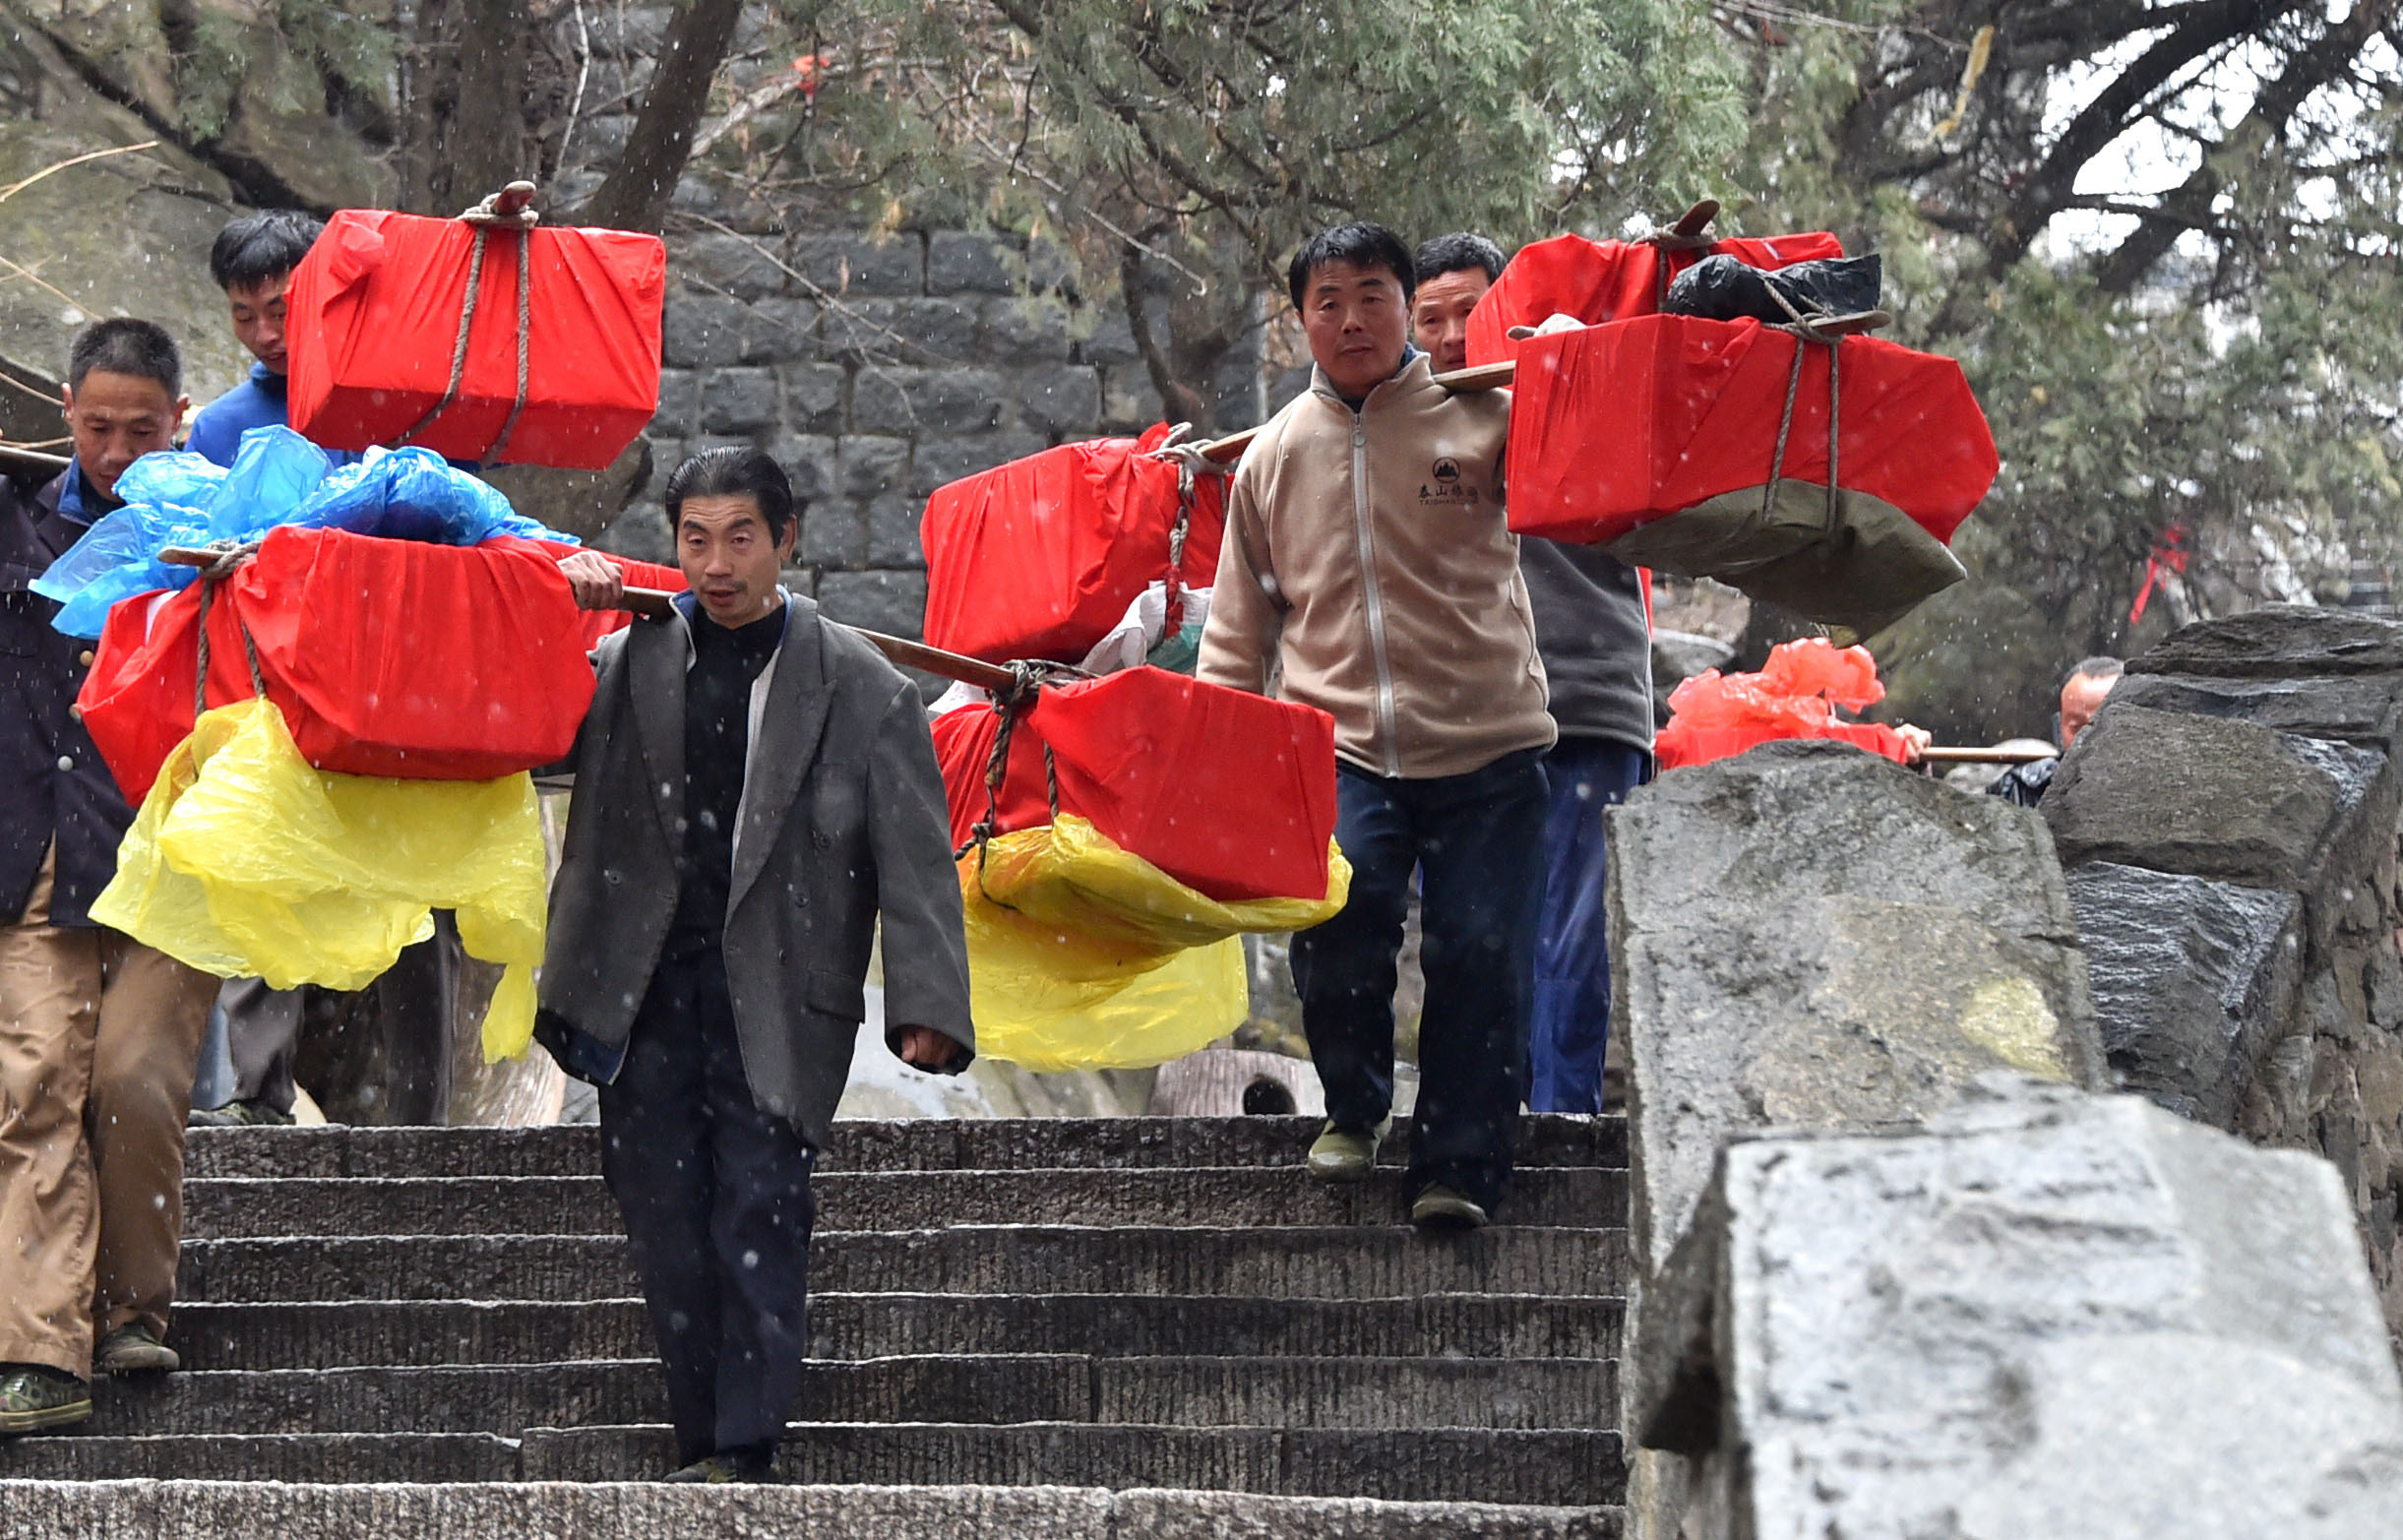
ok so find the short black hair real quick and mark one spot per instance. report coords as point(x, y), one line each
point(734, 470)
point(261, 247)
point(1360, 243)
point(1458, 252)
point(122, 345)
point(2100, 666)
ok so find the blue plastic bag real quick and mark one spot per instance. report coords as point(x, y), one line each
point(278, 478)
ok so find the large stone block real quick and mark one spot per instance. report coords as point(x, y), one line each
point(1065, 398)
point(816, 397)
point(892, 533)
point(958, 261)
point(2044, 1314)
point(893, 602)
point(2280, 642)
point(851, 264)
point(738, 401)
point(2356, 708)
point(810, 462)
point(1810, 936)
point(943, 460)
point(2191, 980)
point(2205, 796)
point(873, 465)
point(1029, 331)
point(742, 265)
point(923, 400)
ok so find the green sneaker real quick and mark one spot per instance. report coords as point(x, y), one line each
point(131, 1349)
point(1438, 1207)
point(35, 1397)
point(1342, 1155)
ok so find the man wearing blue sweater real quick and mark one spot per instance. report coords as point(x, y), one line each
point(252, 261)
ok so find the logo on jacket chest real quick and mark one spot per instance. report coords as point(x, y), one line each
point(1446, 484)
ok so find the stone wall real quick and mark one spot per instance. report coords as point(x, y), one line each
point(2230, 824)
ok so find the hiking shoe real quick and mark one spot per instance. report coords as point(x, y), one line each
point(35, 1397)
point(242, 1114)
point(1438, 1207)
point(131, 1349)
point(718, 1470)
point(1342, 1155)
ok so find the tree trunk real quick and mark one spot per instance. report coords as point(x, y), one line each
point(636, 194)
point(465, 96)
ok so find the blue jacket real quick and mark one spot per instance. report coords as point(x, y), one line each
point(53, 783)
point(257, 402)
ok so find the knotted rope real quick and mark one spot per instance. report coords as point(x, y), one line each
point(1012, 702)
point(1813, 328)
point(230, 555)
point(487, 217)
point(1182, 452)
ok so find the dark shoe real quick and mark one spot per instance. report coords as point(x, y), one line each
point(1344, 1155)
point(132, 1350)
point(242, 1115)
point(720, 1471)
point(34, 1396)
point(1438, 1207)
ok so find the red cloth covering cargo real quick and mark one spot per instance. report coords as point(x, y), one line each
point(593, 624)
point(1714, 715)
point(1039, 558)
point(387, 657)
point(1230, 793)
point(376, 311)
point(1655, 438)
point(1609, 280)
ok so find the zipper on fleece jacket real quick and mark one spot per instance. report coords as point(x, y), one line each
point(1373, 600)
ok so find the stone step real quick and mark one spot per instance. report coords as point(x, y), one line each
point(1011, 1143)
point(856, 1326)
point(1550, 1468)
point(646, 1510)
point(217, 1208)
point(1316, 1262)
point(1303, 1392)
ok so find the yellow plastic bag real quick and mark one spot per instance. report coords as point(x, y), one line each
point(1084, 956)
point(244, 861)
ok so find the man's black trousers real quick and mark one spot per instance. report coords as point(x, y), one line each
point(716, 1201)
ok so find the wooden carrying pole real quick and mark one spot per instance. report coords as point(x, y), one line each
point(1985, 756)
point(658, 603)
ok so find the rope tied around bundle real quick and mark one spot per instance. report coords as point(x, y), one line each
point(1179, 449)
point(1814, 328)
point(510, 209)
point(229, 555)
point(1012, 702)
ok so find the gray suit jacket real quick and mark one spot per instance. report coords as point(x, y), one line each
point(842, 819)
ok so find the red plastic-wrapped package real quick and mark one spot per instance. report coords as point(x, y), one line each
point(1608, 281)
point(1655, 437)
point(1230, 793)
point(387, 657)
point(1714, 715)
point(376, 309)
point(1041, 557)
point(595, 624)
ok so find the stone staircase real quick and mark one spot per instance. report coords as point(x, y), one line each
point(1090, 1327)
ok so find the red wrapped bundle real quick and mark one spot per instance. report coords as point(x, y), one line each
point(1230, 793)
point(376, 310)
point(387, 657)
point(1654, 438)
point(1608, 281)
point(1041, 557)
point(1713, 717)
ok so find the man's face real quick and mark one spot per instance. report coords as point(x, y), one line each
point(2080, 699)
point(1439, 315)
point(257, 318)
point(116, 419)
point(731, 559)
point(1357, 322)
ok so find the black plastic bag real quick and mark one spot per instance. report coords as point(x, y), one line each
point(1722, 288)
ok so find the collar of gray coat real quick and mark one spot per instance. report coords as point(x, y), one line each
point(787, 716)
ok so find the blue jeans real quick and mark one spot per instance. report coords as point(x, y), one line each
point(1572, 950)
point(1476, 840)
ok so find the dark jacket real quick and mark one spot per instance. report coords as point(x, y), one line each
point(53, 783)
point(842, 819)
point(1595, 641)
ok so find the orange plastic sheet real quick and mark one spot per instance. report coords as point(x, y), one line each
point(1714, 715)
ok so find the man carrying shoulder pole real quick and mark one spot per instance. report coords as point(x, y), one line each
point(754, 788)
point(1366, 555)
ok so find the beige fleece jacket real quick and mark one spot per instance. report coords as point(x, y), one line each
point(1366, 553)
